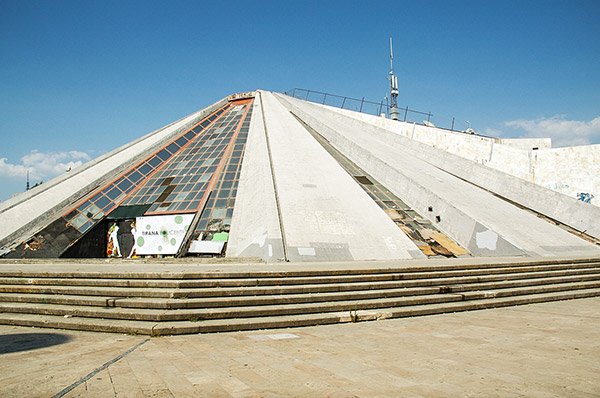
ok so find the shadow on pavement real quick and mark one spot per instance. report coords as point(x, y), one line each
point(30, 341)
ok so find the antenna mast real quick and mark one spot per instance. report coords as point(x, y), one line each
point(27, 184)
point(393, 87)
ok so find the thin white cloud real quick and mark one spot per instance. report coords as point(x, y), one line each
point(563, 132)
point(492, 132)
point(42, 165)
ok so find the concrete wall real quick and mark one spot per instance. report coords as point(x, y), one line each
point(255, 230)
point(511, 160)
point(480, 221)
point(567, 210)
point(569, 170)
point(526, 143)
point(23, 215)
point(325, 214)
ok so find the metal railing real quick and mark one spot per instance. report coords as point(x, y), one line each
point(358, 105)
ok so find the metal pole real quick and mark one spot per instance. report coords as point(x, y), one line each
point(324, 98)
point(452, 128)
point(428, 117)
point(343, 102)
point(361, 103)
point(307, 92)
point(405, 113)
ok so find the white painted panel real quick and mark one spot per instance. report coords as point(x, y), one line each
point(161, 234)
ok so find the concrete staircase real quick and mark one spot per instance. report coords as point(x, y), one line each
point(165, 303)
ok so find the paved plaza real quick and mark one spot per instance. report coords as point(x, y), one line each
point(540, 350)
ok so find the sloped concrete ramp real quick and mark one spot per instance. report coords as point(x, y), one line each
point(478, 219)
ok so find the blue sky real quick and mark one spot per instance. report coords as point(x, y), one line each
point(78, 78)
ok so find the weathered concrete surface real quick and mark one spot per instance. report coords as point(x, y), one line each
point(570, 211)
point(41, 205)
point(526, 143)
point(478, 220)
point(324, 212)
point(340, 221)
point(255, 229)
point(502, 352)
point(140, 300)
point(164, 268)
point(569, 170)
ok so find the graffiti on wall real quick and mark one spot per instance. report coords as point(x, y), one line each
point(585, 197)
point(559, 187)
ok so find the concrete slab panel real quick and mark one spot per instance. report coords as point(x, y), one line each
point(337, 219)
point(457, 206)
point(569, 170)
point(255, 230)
point(543, 199)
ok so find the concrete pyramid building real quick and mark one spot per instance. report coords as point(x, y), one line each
point(266, 175)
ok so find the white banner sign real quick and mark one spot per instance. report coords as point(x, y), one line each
point(160, 234)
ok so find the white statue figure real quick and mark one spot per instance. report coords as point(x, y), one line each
point(112, 238)
point(134, 234)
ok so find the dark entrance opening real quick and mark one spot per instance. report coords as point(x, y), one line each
point(97, 242)
point(90, 245)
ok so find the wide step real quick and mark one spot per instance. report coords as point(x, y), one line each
point(155, 303)
point(398, 281)
point(446, 286)
point(281, 309)
point(229, 325)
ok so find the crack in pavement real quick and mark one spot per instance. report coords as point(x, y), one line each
point(84, 379)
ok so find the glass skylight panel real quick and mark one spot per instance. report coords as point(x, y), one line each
point(109, 197)
point(218, 211)
point(187, 174)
